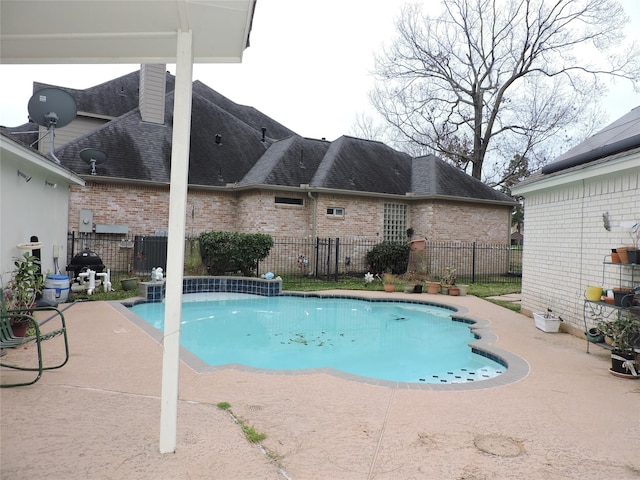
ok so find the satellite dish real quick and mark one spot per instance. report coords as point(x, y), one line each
point(93, 157)
point(52, 108)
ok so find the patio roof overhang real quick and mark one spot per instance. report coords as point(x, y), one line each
point(122, 31)
point(139, 31)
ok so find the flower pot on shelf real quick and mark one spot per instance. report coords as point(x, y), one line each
point(548, 324)
point(593, 293)
point(615, 256)
point(622, 253)
point(594, 335)
point(623, 297)
point(633, 256)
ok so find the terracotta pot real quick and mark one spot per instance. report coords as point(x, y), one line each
point(454, 291)
point(389, 287)
point(615, 257)
point(19, 327)
point(622, 253)
point(433, 288)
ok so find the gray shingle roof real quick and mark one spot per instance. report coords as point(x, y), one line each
point(616, 140)
point(364, 166)
point(141, 151)
point(433, 176)
point(112, 98)
point(290, 162)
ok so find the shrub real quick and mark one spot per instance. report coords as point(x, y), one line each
point(224, 252)
point(389, 257)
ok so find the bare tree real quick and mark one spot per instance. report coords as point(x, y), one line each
point(490, 79)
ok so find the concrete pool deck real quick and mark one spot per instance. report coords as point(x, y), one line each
point(99, 416)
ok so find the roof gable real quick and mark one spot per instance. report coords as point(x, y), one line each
point(290, 162)
point(433, 176)
point(365, 166)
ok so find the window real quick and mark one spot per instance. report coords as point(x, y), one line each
point(335, 212)
point(395, 222)
point(289, 201)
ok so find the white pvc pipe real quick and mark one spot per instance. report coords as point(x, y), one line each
point(175, 241)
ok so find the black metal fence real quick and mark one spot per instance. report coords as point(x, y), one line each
point(300, 260)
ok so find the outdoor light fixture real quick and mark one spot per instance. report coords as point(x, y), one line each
point(24, 175)
point(47, 183)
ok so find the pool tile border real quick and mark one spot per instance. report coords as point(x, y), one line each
point(516, 367)
point(155, 291)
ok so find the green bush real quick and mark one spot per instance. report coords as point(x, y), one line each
point(389, 257)
point(224, 252)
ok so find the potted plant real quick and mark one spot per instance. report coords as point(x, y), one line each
point(624, 334)
point(22, 290)
point(630, 253)
point(389, 281)
point(412, 281)
point(448, 280)
point(547, 321)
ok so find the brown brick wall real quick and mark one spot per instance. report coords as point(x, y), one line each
point(146, 209)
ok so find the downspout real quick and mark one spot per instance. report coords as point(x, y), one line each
point(314, 215)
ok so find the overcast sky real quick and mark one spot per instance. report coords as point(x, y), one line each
point(308, 66)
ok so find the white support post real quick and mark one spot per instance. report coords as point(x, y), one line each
point(175, 241)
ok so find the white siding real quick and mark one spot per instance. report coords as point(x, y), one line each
point(566, 242)
point(152, 92)
point(32, 208)
point(77, 128)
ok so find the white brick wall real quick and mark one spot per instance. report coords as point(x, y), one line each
point(565, 242)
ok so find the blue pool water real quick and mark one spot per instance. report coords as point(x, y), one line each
point(393, 341)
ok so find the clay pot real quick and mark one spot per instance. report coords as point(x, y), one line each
point(622, 253)
point(433, 288)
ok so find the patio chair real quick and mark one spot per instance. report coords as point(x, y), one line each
point(9, 340)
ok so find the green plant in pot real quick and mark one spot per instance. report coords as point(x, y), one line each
point(389, 281)
point(624, 332)
point(448, 280)
point(22, 290)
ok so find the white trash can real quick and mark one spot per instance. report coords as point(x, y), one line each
point(56, 288)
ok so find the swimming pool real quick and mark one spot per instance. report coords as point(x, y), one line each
point(393, 341)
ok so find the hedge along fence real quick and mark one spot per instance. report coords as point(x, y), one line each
point(224, 252)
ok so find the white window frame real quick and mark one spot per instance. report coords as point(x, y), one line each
point(334, 212)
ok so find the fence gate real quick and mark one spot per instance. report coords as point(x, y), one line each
point(327, 253)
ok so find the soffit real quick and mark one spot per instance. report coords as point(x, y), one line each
point(122, 31)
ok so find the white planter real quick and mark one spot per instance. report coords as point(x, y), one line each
point(549, 325)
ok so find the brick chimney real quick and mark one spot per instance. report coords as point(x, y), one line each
point(153, 87)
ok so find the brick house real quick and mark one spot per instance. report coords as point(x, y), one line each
point(248, 173)
point(574, 208)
